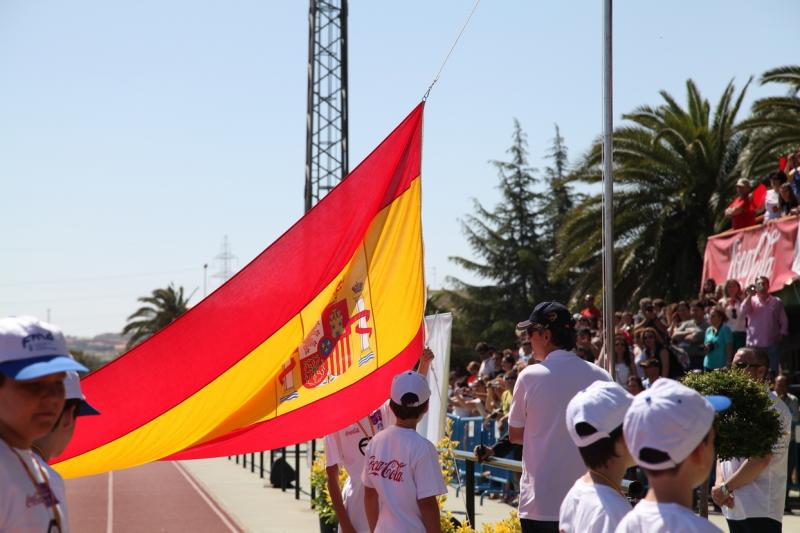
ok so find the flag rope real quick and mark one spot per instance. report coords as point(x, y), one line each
point(441, 68)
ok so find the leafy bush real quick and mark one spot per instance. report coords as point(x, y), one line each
point(751, 426)
point(321, 502)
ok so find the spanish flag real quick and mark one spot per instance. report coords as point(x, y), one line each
point(301, 342)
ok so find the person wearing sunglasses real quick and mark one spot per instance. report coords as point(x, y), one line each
point(537, 418)
point(751, 490)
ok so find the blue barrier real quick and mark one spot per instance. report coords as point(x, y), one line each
point(469, 432)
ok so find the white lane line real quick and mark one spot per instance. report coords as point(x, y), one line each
point(211, 503)
point(110, 515)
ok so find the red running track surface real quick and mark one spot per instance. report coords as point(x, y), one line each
point(159, 496)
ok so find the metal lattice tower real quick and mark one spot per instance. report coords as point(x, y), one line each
point(225, 261)
point(326, 120)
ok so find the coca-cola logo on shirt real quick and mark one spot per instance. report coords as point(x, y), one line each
point(386, 469)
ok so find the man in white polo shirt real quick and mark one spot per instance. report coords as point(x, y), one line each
point(537, 420)
point(751, 491)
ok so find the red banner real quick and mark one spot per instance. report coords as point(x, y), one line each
point(770, 250)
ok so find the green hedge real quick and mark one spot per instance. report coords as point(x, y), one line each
point(751, 426)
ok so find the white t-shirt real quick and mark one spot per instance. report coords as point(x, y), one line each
point(621, 373)
point(346, 448)
point(772, 205)
point(638, 356)
point(591, 508)
point(764, 496)
point(654, 517)
point(403, 467)
point(736, 319)
point(487, 368)
point(23, 508)
point(550, 460)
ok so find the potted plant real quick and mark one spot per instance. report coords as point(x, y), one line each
point(321, 502)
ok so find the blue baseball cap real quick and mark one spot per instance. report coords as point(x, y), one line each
point(549, 315)
point(31, 349)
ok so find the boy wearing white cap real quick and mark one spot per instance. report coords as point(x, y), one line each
point(401, 476)
point(55, 442)
point(669, 432)
point(33, 360)
point(346, 447)
point(75, 405)
point(595, 503)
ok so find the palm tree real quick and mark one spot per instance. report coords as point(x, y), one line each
point(675, 170)
point(163, 306)
point(775, 122)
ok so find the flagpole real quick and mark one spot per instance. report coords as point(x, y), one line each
point(608, 190)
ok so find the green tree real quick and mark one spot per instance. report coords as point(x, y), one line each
point(675, 170)
point(510, 254)
point(90, 361)
point(558, 200)
point(775, 123)
point(163, 306)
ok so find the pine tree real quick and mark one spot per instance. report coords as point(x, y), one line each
point(557, 203)
point(511, 254)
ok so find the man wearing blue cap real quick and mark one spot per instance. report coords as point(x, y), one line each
point(33, 362)
point(550, 460)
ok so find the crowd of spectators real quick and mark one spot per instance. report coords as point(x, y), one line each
point(660, 339)
point(780, 200)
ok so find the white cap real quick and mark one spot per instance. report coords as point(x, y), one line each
point(602, 405)
point(671, 418)
point(72, 391)
point(410, 382)
point(30, 349)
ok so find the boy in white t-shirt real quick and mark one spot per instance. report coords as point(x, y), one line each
point(346, 448)
point(595, 503)
point(33, 360)
point(668, 429)
point(402, 476)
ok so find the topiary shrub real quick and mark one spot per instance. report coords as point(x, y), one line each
point(751, 426)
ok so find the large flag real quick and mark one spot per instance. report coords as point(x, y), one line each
point(301, 342)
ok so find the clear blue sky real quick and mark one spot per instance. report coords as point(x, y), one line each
point(134, 135)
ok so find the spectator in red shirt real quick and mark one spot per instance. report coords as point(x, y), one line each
point(590, 311)
point(742, 210)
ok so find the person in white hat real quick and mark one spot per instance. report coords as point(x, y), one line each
point(402, 476)
point(346, 447)
point(75, 405)
point(742, 210)
point(595, 503)
point(669, 432)
point(55, 442)
point(33, 362)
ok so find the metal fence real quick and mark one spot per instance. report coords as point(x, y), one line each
point(256, 462)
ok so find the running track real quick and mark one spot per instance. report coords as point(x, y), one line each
point(159, 496)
